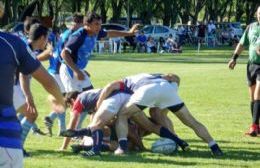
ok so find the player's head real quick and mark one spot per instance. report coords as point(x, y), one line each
point(28, 23)
point(172, 78)
point(77, 20)
point(70, 98)
point(93, 22)
point(38, 34)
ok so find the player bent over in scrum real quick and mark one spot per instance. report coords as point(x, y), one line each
point(154, 91)
point(107, 111)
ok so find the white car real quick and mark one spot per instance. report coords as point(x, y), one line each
point(157, 31)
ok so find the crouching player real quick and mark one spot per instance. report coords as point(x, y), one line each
point(107, 111)
point(154, 91)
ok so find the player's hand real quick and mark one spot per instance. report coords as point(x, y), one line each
point(30, 106)
point(231, 64)
point(79, 75)
point(49, 48)
point(134, 29)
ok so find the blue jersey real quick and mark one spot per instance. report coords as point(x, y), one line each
point(56, 59)
point(80, 45)
point(16, 55)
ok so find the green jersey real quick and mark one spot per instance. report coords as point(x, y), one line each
point(251, 37)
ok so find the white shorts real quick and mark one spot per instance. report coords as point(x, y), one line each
point(58, 80)
point(72, 84)
point(114, 103)
point(161, 95)
point(11, 158)
point(18, 97)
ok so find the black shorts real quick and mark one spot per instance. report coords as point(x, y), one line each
point(253, 73)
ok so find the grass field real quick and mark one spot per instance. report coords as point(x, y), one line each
point(215, 95)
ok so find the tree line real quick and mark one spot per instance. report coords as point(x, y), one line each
point(168, 12)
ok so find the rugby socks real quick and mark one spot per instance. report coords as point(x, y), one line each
point(105, 147)
point(252, 107)
point(20, 117)
point(97, 137)
point(81, 119)
point(62, 122)
point(215, 149)
point(256, 112)
point(123, 143)
point(165, 133)
point(26, 126)
point(53, 115)
point(211, 143)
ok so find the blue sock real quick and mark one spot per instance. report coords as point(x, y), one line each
point(105, 147)
point(81, 119)
point(165, 133)
point(123, 144)
point(62, 122)
point(97, 136)
point(20, 117)
point(53, 116)
point(26, 126)
point(34, 126)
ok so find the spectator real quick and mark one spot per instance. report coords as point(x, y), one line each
point(201, 32)
point(141, 42)
point(151, 45)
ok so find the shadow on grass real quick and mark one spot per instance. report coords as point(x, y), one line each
point(161, 58)
point(142, 158)
point(110, 157)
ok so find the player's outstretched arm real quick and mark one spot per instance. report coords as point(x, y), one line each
point(107, 90)
point(116, 33)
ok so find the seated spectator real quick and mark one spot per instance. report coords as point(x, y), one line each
point(141, 42)
point(151, 45)
point(161, 45)
point(172, 45)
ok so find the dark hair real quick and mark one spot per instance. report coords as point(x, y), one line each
point(70, 96)
point(90, 17)
point(77, 18)
point(29, 22)
point(36, 31)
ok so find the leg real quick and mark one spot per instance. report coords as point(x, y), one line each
point(146, 124)
point(186, 118)
point(160, 117)
point(127, 110)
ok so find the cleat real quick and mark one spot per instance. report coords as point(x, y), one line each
point(38, 132)
point(78, 148)
point(69, 133)
point(185, 146)
point(90, 153)
point(216, 151)
point(76, 133)
point(253, 131)
point(26, 154)
point(48, 123)
point(120, 151)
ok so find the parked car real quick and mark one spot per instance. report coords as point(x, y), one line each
point(231, 26)
point(157, 31)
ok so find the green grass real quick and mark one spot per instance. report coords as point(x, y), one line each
point(215, 95)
